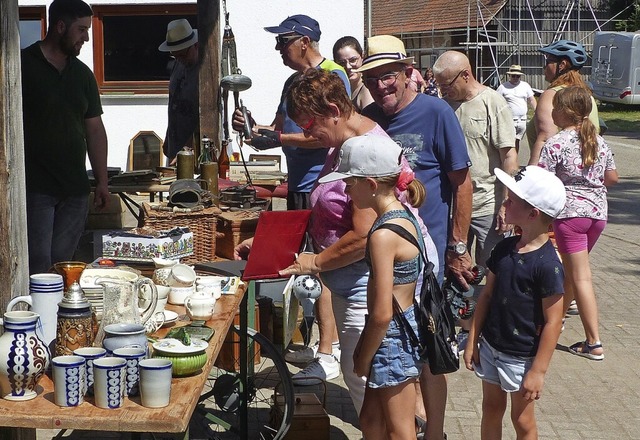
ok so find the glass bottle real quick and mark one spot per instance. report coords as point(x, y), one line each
point(223, 162)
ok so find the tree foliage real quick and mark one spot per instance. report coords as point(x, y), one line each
point(629, 18)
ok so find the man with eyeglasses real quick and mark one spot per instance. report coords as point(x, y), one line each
point(431, 138)
point(183, 110)
point(518, 94)
point(487, 124)
point(297, 40)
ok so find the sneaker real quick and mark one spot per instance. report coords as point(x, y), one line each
point(317, 371)
point(462, 337)
point(302, 356)
point(573, 308)
point(307, 354)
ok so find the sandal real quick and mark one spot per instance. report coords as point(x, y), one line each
point(421, 427)
point(585, 349)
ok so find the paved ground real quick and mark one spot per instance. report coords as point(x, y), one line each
point(582, 399)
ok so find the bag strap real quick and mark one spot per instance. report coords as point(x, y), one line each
point(401, 320)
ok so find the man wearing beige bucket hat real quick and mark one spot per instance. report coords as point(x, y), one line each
point(518, 94)
point(431, 138)
point(183, 110)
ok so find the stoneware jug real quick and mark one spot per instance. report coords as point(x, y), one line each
point(24, 357)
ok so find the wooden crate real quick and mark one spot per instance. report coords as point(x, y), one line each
point(234, 227)
point(229, 356)
point(310, 420)
point(203, 225)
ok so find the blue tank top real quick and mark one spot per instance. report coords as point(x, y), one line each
point(404, 272)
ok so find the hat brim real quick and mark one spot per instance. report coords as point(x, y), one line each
point(332, 177)
point(279, 30)
point(508, 181)
point(515, 73)
point(165, 47)
point(381, 62)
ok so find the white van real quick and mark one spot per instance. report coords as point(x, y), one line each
point(615, 73)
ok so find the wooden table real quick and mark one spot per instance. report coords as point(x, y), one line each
point(43, 413)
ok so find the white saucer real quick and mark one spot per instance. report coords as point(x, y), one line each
point(170, 316)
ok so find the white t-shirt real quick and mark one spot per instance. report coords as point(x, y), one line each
point(516, 97)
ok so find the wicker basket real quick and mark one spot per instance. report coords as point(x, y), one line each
point(203, 224)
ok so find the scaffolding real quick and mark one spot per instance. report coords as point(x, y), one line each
point(494, 40)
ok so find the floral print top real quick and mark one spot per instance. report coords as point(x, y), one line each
point(586, 193)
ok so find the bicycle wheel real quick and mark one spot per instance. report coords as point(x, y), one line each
point(267, 374)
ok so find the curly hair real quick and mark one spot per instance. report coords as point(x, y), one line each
point(312, 92)
point(575, 102)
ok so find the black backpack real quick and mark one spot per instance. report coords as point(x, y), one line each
point(436, 324)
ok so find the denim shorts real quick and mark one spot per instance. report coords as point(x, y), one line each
point(500, 368)
point(396, 360)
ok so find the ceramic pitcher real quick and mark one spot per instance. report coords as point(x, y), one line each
point(121, 298)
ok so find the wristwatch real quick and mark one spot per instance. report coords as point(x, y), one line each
point(459, 248)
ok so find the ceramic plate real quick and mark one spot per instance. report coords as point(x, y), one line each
point(170, 316)
point(174, 346)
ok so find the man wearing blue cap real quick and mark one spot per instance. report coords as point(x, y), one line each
point(297, 41)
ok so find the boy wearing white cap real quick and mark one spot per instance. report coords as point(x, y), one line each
point(519, 314)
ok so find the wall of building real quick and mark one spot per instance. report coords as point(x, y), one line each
point(126, 115)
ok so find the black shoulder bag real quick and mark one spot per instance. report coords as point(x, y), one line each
point(436, 324)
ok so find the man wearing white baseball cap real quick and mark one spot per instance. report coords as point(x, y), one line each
point(519, 314)
point(184, 113)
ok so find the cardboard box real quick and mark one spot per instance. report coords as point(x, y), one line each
point(258, 169)
point(310, 420)
point(173, 244)
point(234, 227)
point(109, 218)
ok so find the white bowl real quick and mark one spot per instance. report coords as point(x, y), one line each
point(177, 295)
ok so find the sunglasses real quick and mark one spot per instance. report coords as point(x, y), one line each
point(452, 82)
point(308, 125)
point(388, 79)
point(283, 40)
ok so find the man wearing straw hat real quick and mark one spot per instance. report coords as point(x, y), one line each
point(431, 138)
point(182, 44)
point(518, 94)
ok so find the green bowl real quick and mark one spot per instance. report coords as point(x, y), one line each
point(187, 359)
point(184, 365)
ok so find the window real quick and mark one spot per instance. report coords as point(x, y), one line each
point(125, 46)
point(32, 25)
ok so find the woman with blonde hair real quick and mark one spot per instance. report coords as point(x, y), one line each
point(584, 163)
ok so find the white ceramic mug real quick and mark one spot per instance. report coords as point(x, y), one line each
point(90, 354)
point(69, 380)
point(133, 356)
point(155, 382)
point(181, 276)
point(44, 304)
point(109, 382)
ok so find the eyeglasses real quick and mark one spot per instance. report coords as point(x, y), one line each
point(283, 40)
point(549, 60)
point(351, 61)
point(388, 79)
point(308, 125)
point(452, 82)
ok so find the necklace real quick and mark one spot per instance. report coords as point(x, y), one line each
point(384, 210)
